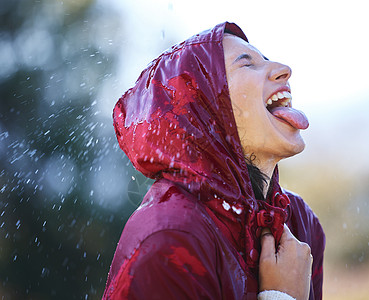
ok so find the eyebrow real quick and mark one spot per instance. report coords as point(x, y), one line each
point(246, 56)
point(243, 56)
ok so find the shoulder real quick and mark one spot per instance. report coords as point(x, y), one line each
point(299, 207)
point(167, 211)
point(168, 234)
point(168, 207)
point(303, 222)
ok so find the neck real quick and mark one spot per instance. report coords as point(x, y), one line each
point(267, 168)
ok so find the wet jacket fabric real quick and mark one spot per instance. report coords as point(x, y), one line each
point(196, 234)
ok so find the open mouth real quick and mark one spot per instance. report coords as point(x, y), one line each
point(280, 106)
point(280, 99)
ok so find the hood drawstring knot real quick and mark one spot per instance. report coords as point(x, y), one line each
point(274, 216)
point(265, 218)
point(281, 200)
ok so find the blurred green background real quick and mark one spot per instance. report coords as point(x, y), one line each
point(66, 189)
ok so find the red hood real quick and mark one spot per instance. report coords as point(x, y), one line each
point(177, 123)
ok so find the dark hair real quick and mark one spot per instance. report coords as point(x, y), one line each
point(258, 179)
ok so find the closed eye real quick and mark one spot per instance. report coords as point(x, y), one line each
point(243, 56)
point(247, 57)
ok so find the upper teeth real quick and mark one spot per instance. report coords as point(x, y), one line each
point(280, 95)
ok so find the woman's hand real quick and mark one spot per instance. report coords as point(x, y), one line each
point(287, 270)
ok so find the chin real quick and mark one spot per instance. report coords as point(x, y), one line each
point(296, 147)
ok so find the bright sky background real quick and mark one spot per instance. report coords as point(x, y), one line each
point(324, 42)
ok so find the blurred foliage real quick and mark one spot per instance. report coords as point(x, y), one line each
point(63, 180)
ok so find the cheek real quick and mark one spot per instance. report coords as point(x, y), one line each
point(246, 114)
point(246, 100)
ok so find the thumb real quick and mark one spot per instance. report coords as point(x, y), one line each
point(286, 235)
point(267, 244)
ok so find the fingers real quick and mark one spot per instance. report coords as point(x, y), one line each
point(306, 250)
point(267, 244)
point(286, 235)
point(311, 265)
point(287, 270)
point(288, 241)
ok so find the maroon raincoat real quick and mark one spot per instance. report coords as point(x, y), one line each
point(196, 233)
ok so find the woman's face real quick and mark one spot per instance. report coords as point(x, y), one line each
point(252, 81)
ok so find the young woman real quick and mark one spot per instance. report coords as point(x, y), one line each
point(209, 119)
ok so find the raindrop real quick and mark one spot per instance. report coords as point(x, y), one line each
point(226, 206)
point(72, 223)
point(44, 272)
point(89, 142)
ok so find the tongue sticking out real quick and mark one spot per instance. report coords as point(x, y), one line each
point(294, 117)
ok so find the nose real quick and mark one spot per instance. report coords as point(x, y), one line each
point(280, 72)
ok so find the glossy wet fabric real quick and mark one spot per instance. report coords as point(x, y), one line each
point(196, 234)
